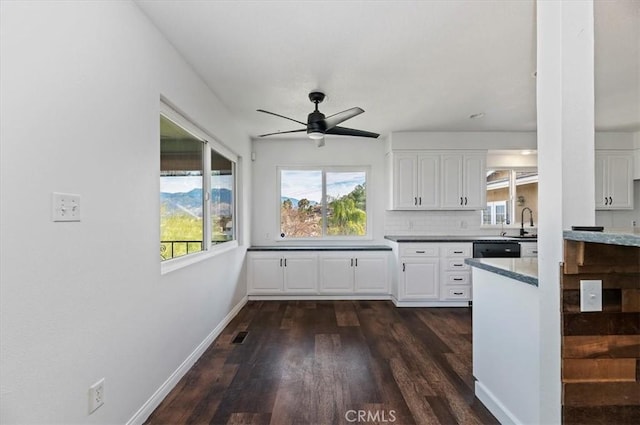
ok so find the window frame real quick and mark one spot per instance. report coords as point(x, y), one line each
point(209, 249)
point(324, 169)
point(511, 207)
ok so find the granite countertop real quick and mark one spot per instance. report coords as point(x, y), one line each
point(320, 248)
point(458, 238)
point(521, 269)
point(610, 238)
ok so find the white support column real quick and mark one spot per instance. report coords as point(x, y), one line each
point(565, 107)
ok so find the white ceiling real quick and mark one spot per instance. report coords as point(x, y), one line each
point(411, 65)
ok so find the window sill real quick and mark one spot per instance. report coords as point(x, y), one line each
point(187, 260)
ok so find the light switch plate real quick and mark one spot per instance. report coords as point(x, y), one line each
point(590, 295)
point(65, 207)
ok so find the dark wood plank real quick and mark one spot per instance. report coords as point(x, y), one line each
point(611, 300)
point(630, 300)
point(599, 370)
point(600, 415)
point(609, 281)
point(601, 324)
point(601, 394)
point(312, 362)
point(597, 346)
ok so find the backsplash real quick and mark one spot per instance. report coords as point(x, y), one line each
point(401, 223)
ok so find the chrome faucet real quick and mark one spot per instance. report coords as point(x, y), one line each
point(522, 231)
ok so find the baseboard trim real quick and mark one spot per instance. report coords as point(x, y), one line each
point(318, 297)
point(154, 401)
point(502, 414)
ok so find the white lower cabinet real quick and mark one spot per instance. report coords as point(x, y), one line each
point(278, 272)
point(317, 272)
point(419, 279)
point(528, 249)
point(353, 272)
point(433, 274)
point(419, 272)
point(455, 284)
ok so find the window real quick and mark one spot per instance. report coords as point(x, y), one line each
point(197, 188)
point(509, 191)
point(323, 203)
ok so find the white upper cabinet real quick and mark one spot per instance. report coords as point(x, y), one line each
point(463, 181)
point(415, 181)
point(614, 180)
point(432, 180)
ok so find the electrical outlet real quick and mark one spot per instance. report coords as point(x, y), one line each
point(65, 207)
point(96, 395)
point(590, 295)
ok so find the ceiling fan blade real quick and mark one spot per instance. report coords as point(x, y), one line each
point(281, 116)
point(283, 132)
point(335, 119)
point(343, 131)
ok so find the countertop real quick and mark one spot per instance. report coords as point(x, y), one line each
point(521, 269)
point(457, 238)
point(610, 238)
point(320, 248)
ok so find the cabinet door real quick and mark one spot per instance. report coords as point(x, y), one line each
point(265, 275)
point(451, 181)
point(475, 182)
point(428, 181)
point(528, 249)
point(405, 172)
point(620, 174)
point(300, 273)
point(371, 273)
point(336, 273)
point(601, 181)
point(419, 278)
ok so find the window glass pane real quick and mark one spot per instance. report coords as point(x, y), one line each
point(222, 198)
point(181, 200)
point(346, 203)
point(301, 203)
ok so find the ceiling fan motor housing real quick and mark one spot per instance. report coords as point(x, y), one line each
point(316, 122)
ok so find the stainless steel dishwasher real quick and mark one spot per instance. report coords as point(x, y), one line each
point(496, 249)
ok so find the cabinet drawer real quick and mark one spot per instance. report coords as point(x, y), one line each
point(420, 251)
point(529, 249)
point(463, 293)
point(455, 264)
point(463, 251)
point(452, 278)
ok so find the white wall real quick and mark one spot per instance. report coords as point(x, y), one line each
point(338, 151)
point(81, 84)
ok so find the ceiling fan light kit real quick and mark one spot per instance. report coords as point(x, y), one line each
point(318, 125)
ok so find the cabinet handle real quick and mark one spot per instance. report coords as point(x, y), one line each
point(457, 252)
point(352, 262)
point(356, 262)
point(606, 201)
point(415, 201)
point(610, 200)
point(457, 279)
point(285, 262)
point(461, 200)
point(420, 252)
point(404, 267)
point(458, 293)
point(465, 200)
point(281, 262)
point(534, 252)
point(420, 200)
point(458, 265)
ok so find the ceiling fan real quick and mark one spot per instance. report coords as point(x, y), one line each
point(318, 125)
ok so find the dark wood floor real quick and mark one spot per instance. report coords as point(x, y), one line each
point(333, 362)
